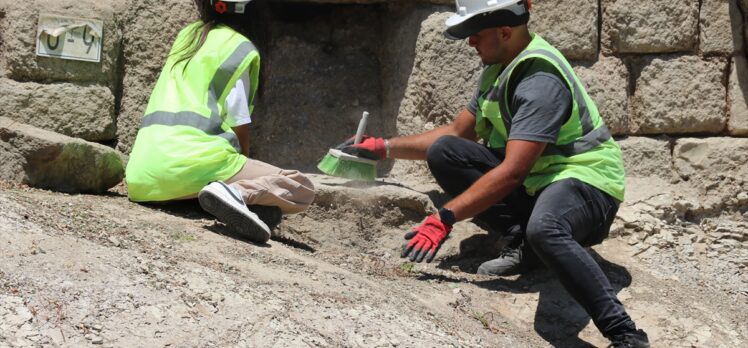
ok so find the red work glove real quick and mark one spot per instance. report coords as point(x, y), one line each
point(425, 240)
point(370, 147)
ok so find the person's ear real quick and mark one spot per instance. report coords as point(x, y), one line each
point(505, 33)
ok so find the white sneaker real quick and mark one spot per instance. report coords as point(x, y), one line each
point(226, 203)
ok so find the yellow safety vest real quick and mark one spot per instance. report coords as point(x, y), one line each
point(184, 142)
point(584, 149)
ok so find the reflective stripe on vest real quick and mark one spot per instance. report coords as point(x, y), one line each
point(210, 126)
point(591, 137)
point(218, 86)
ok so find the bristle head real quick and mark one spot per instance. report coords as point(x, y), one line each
point(339, 167)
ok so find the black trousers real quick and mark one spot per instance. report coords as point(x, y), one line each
point(558, 223)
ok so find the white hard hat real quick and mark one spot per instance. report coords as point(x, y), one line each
point(229, 6)
point(474, 15)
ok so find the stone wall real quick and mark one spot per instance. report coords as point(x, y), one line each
point(672, 68)
point(45, 91)
point(669, 67)
point(149, 32)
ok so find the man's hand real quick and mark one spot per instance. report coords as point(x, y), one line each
point(370, 147)
point(425, 240)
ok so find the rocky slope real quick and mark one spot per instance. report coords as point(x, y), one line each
point(82, 269)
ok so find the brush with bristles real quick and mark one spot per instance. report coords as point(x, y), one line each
point(340, 164)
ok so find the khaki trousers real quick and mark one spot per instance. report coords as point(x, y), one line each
point(263, 184)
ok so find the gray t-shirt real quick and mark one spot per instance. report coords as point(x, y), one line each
point(540, 102)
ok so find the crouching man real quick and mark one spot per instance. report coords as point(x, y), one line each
point(546, 159)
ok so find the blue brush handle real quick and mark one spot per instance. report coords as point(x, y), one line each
point(361, 128)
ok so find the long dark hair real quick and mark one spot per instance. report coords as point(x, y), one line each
point(253, 24)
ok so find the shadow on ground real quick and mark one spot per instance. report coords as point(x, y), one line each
point(191, 210)
point(186, 209)
point(558, 318)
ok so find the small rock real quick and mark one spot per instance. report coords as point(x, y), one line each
point(682, 207)
point(23, 315)
point(216, 297)
point(742, 197)
point(658, 213)
point(155, 313)
point(648, 229)
point(633, 240)
point(640, 249)
point(617, 229)
point(114, 241)
point(667, 236)
point(97, 327)
point(689, 250)
point(97, 340)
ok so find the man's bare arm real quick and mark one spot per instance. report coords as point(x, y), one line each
point(498, 183)
point(414, 147)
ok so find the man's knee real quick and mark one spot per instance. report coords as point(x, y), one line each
point(440, 152)
point(298, 187)
point(301, 178)
point(541, 229)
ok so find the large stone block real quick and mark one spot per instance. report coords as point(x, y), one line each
point(577, 41)
point(398, 61)
point(738, 89)
point(679, 94)
point(644, 157)
point(721, 29)
point(443, 79)
point(85, 112)
point(49, 160)
point(318, 89)
point(607, 84)
point(633, 26)
point(151, 28)
point(711, 157)
point(19, 33)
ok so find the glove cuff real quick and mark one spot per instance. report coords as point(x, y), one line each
point(434, 220)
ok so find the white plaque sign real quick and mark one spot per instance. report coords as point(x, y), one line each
point(69, 38)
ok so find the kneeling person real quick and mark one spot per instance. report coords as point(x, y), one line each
point(193, 141)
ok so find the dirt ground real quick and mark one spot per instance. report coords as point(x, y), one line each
point(82, 270)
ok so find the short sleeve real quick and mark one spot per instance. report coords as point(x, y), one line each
point(237, 106)
point(540, 106)
point(473, 104)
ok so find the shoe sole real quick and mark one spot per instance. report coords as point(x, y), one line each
point(237, 221)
